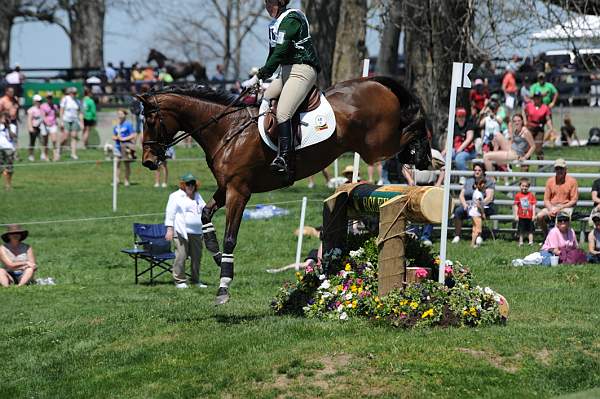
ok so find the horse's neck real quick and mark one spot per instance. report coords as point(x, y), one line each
point(200, 114)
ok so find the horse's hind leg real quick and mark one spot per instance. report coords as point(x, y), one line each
point(235, 203)
point(208, 229)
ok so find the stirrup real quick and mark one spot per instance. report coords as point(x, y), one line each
point(279, 165)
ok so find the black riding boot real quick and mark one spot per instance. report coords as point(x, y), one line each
point(280, 163)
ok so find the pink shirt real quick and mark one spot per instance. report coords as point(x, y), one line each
point(556, 239)
point(49, 114)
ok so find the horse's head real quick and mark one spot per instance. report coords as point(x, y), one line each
point(160, 127)
point(418, 150)
point(155, 55)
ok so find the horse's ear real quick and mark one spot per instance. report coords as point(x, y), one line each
point(140, 99)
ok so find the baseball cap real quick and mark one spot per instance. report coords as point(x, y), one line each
point(478, 82)
point(537, 93)
point(461, 112)
point(563, 215)
point(541, 75)
point(560, 163)
point(495, 97)
point(188, 177)
point(37, 97)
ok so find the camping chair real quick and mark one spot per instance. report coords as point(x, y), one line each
point(150, 246)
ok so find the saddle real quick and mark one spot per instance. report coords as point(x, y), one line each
point(310, 103)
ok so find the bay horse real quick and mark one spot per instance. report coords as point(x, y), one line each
point(178, 70)
point(376, 117)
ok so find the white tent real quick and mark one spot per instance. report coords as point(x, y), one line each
point(581, 27)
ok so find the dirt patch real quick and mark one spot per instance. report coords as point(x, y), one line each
point(544, 356)
point(505, 364)
point(315, 373)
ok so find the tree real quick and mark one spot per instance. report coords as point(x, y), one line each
point(391, 18)
point(324, 17)
point(350, 48)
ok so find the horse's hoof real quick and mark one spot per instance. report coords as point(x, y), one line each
point(222, 296)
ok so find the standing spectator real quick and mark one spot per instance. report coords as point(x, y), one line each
point(110, 73)
point(8, 133)
point(521, 147)
point(17, 258)
point(89, 115)
point(371, 169)
point(594, 89)
point(10, 103)
point(594, 241)
point(50, 131)
point(537, 116)
point(415, 177)
point(163, 167)
point(71, 118)
point(184, 226)
point(124, 148)
point(463, 147)
point(137, 76)
point(509, 87)
point(524, 211)
point(549, 92)
point(466, 196)
point(219, 75)
point(478, 97)
point(490, 124)
point(35, 118)
point(123, 72)
point(524, 92)
point(560, 195)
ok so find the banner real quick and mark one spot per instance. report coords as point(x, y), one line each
point(57, 89)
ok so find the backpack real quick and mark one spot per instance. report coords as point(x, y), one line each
point(572, 256)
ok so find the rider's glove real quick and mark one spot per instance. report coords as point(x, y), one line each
point(250, 82)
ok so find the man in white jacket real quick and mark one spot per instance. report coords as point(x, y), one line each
point(184, 226)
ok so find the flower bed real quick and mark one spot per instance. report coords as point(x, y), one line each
point(352, 292)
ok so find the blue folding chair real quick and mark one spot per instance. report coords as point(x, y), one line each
point(150, 246)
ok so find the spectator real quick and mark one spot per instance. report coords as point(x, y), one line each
point(137, 77)
point(594, 89)
point(71, 118)
point(568, 134)
point(10, 103)
point(466, 196)
point(50, 128)
point(593, 255)
point(560, 195)
point(477, 212)
point(219, 75)
point(463, 147)
point(124, 148)
point(490, 124)
point(149, 75)
point(110, 73)
point(164, 76)
point(524, 211)
point(596, 194)
point(547, 89)
point(17, 258)
point(537, 116)
point(15, 79)
point(416, 177)
point(123, 72)
point(162, 167)
point(478, 97)
point(520, 145)
point(561, 238)
point(34, 122)
point(509, 87)
point(184, 227)
point(524, 92)
point(8, 132)
point(89, 115)
point(502, 116)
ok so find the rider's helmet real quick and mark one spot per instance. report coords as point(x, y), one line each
point(281, 3)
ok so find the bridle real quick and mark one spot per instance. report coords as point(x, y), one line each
point(164, 142)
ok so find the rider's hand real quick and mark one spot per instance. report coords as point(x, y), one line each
point(250, 82)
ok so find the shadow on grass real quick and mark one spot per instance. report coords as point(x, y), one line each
point(232, 319)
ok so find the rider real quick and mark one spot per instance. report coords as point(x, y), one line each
point(291, 47)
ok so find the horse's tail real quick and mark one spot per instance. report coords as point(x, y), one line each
point(409, 102)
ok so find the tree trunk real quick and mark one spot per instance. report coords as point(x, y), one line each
point(350, 46)
point(86, 22)
point(437, 33)
point(387, 62)
point(323, 16)
point(8, 12)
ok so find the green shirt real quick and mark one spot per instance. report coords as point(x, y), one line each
point(89, 109)
point(290, 43)
point(547, 89)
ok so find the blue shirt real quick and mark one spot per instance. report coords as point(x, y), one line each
point(122, 130)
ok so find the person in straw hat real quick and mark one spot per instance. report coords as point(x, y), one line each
point(17, 258)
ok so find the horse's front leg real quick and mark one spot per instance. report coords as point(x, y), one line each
point(236, 200)
point(208, 229)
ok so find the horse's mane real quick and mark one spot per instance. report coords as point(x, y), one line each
point(407, 99)
point(200, 92)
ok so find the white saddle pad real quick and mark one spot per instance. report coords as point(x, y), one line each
point(316, 126)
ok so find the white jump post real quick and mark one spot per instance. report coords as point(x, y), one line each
point(115, 178)
point(300, 233)
point(365, 73)
point(460, 78)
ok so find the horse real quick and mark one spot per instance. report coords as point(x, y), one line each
point(376, 117)
point(178, 70)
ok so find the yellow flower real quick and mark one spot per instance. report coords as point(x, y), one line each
point(360, 290)
point(299, 276)
point(438, 261)
point(340, 288)
point(348, 267)
point(473, 311)
point(353, 288)
point(354, 303)
point(414, 305)
point(322, 301)
point(376, 298)
point(403, 302)
point(427, 313)
point(348, 303)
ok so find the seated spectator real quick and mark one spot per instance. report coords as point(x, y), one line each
point(561, 238)
point(17, 258)
point(561, 195)
point(463, 147)
point(537, 116)
point(568, 135)
point(461, 211)
point(594, 241)
point(521, 148)
point(478, 97)
point(524, 211)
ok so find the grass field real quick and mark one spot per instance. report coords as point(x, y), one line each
point(97, 335)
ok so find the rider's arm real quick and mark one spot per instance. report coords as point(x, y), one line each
point(288, 29)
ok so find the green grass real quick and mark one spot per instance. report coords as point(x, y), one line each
point(97, 335)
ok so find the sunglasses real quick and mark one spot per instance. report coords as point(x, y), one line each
point(191, 183)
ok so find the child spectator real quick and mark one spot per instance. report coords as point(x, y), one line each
point(124, 148)
point(490, 125)
point(594, 240)
point(476, 211)
point(8, 133)
point(524, 211)
point(89, 115)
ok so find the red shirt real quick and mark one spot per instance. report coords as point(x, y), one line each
point(478, 98)
point(525, 204)
point(537, 117)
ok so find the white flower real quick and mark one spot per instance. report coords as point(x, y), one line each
point(344, 316)
point(348, 296)
point(325, 285)
point(340, 307)
point(478, 288)
point(344, 273)
point(497, 298)
point(488, 291)
point(326, 294)
point(369, 264)
point(322, 277)
point(357, 253)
